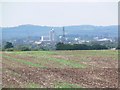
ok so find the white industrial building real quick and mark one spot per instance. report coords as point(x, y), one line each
point(47, 39)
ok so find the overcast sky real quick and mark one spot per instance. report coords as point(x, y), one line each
point(59, 13)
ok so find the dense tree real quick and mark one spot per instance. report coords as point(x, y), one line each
point(98, 47)
point(24, 48)
point(118, 47)
point(8, 45)
point(61, 46)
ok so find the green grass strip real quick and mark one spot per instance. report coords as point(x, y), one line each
point(68, 63)
point(66, 85)
point(23, 61)
point(33, 85)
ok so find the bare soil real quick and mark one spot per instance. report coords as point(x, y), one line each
point(101, 73)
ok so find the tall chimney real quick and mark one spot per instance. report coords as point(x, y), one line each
point(63, 34)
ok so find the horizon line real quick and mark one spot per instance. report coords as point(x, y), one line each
point(57, 25)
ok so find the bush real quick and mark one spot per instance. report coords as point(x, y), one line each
point(25, 49)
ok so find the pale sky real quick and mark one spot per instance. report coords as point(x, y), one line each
point(59, 13)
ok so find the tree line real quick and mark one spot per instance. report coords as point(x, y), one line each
point(62, 46)
point(59, 46)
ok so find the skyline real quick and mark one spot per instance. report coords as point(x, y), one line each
point(59, 14)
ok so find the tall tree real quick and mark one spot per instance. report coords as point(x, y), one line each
point(8, 45)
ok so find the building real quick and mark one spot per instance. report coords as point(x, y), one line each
point(50, 39)
point(45, 38)
point(104, 39)
point(52, 35)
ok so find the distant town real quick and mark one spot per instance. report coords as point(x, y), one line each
point(51, 39)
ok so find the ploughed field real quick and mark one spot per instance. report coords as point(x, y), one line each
point(60, 69)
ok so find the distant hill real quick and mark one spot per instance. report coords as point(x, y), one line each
point(23, 31)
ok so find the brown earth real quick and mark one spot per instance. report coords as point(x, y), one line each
point(91, 78)
point(18, 75)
